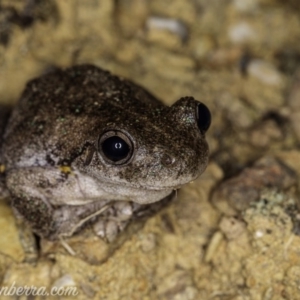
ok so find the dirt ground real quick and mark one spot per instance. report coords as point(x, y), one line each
point(233, 234)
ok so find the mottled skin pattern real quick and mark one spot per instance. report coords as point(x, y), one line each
point(55, 172)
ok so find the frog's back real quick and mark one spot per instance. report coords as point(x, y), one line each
point(60, 111)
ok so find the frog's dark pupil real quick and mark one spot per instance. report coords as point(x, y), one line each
point(204, 117)
point(115, 148)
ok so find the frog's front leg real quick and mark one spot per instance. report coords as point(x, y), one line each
point(32, 196)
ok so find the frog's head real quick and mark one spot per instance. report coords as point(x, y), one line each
point(144, 156)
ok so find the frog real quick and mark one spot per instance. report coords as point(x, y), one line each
point(83, 146)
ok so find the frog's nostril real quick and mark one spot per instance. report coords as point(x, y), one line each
point(167, 160)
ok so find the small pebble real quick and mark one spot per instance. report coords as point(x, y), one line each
point(265, 72)
point(64, 281)
point(259, 234)
point(213, 246)
point(232, 227)
point(148, 242)
point(245, 5)
point(172, 25)
point(242, 33)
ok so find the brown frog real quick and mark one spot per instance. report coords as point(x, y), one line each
point(83, 145)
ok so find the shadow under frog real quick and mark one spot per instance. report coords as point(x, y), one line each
point(84, 146)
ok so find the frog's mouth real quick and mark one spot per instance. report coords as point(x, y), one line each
point(103, 189)
point(135, 193)
point(152, 185)
point(155, 188)
point(140, 194)
point(159, 186)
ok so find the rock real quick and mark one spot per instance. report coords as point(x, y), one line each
point(177, 27)
point(232, 227)
point(245, 5)
point(265, 72)
point(213, 246)
point(236, 194)
point(242, 33)
point(148, 242)
point(64, 281)
point(265, 134)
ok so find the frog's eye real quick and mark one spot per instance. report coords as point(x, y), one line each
point(115, 147)
point(203, 117)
